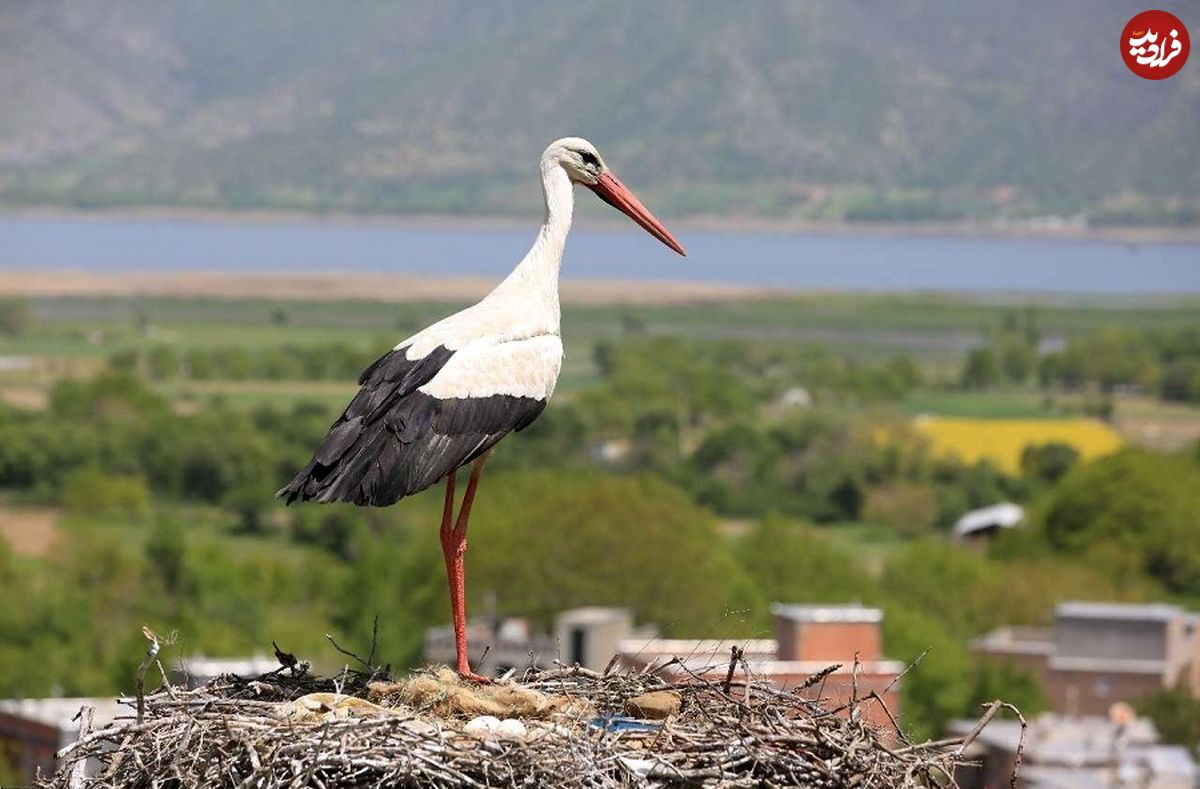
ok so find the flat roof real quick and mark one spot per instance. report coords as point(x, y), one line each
point(1109, 665)
point(827, 613)
point(1157, 612)
point(60, 712)
point(594, 614)
point(1005, 515)
point(686, 647)
point(1018, 638)
point(203, 665)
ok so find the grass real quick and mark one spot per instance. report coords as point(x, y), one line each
point(869, 543)
point(74, 335)
point(1003, 404)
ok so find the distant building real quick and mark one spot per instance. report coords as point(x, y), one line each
point(198, 670)
point(1099, 653)
point(587, 636)
point(796, 397)
point(32, 731)
point(808, 640)
point(1075, 753)
point(496, 645)
point(988, 521)
point(591, 636)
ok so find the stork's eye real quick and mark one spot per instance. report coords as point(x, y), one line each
point(589, 158)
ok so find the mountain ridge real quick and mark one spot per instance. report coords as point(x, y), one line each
point(920, 109)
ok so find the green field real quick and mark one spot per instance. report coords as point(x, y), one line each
point(71, 336)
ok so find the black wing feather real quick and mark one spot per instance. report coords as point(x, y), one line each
point(393, 441)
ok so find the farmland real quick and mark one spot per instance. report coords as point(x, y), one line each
point(722, 447)
point(1002, 440)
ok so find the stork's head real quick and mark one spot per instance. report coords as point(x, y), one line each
point(584, 165)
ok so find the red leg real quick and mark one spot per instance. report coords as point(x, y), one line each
point(454, 549)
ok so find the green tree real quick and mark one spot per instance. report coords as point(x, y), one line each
point(1048, 462)
point(981, 369)
point(906, 507)
point(1000, 680)
point(1176, 715)
point(166, 553)
point(1146, 503)
point(15, 317)
point(793, 563)
point(545, 541)
point(938, 687)
point(162, 362)
point(91, 491)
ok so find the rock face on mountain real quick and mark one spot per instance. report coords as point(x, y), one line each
point(858, 109)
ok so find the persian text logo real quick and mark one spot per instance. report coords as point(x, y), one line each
point(1155, 44)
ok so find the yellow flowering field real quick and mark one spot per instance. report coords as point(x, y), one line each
point(1002, 440)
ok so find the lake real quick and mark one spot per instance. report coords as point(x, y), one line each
point(784, 260)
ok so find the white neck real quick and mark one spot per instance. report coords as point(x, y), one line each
point(536, 276)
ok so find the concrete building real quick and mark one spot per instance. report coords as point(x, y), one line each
point(808, 640)
point(33, 730)
point(591, 636)
point(496, 645)
point(1099, 653)
point(1060, 752)
point(588, 636)
point(198, 670)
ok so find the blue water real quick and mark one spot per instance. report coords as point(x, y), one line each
point(764, 259)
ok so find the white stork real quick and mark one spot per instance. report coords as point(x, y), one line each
point(442, 398)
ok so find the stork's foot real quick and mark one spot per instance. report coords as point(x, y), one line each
point(467, 675)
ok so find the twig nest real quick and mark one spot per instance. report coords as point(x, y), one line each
point(320, 731)
point(418, 726)
point(443, 694)
point(324, 707)
point(489, 727)
point(656, 705)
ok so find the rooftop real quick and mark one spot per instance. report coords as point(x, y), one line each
point(1005, 515)
point(1111, 665)
point(62, 713)
point(204, 666)
point(717, 649)
point(594, 615)
point(827, 613)
point(1063, 752)
point(1157, 612)
point(1017, 640)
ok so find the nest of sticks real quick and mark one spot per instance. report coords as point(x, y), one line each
point(565, 727)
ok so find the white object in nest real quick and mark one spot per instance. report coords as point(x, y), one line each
point(488, 727)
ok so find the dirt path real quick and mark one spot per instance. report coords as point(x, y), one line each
point(29, 531)
point(347, 287)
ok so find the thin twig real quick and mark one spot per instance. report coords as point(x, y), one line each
point(735, 655)
point(151, 656)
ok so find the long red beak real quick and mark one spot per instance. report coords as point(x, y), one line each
point(612, 191)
